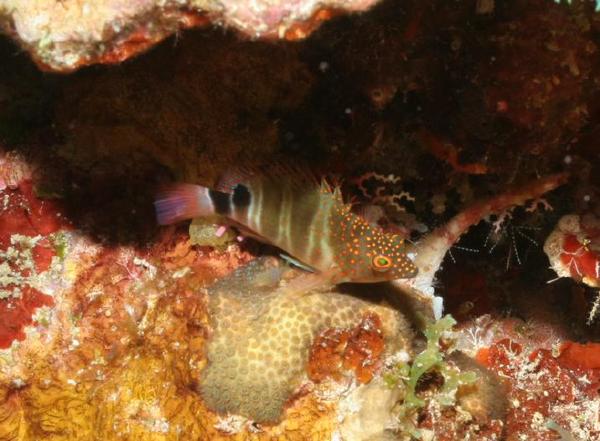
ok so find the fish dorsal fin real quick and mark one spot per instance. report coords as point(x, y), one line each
point(276, 171)
point(234, 176)
point(336, 192)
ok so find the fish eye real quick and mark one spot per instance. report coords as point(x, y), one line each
point(381, 263)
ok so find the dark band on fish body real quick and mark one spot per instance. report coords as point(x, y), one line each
point(241, 196)
point(221, 202)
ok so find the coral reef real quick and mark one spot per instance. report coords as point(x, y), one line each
point(262, 346)
point(468, 127)
point(80, 369)
point(112, 309)
point(551, 385)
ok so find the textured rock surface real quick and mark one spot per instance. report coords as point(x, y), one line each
point(67, 34)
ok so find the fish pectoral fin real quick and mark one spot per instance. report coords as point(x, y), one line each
point(295, 262)
point(309, 283)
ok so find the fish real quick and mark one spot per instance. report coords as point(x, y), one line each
point(302, 215)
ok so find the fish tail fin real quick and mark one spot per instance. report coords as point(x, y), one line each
point(179, 202)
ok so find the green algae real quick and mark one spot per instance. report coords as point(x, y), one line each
point(46, 192)
point(564, 434)
point(431, 359)
point(60, 243)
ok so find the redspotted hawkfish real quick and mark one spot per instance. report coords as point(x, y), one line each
point(304, 217)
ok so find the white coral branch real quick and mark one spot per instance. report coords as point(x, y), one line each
point(430, 251)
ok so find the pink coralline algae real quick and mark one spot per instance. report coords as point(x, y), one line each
point(18, 313)
point(550, 390)
point(25, 252)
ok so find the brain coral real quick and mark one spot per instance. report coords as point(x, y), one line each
point(261, 339)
